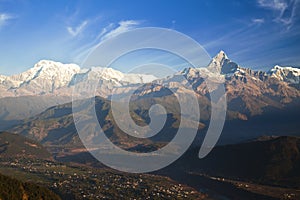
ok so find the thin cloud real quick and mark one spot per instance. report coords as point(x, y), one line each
point(226, 37)
point(4, 17)
point(285, 10)
point(77, 30)
point(122, 27)
point(105, 30)
point(258, 21)
point(111, 30)
point(274, 4)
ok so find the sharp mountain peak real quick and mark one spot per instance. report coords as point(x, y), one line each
point(221, 56)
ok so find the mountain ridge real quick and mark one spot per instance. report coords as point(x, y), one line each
point(269, 160)
point(18, 146)
point(248, 92)
point(54, 78)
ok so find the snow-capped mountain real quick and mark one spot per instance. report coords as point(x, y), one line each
point(55, 78)
point(221, 64)
point(42, 74)
point(45, 77)
point(108, 74)
point(249, 92)
point(2, 78)
point(288, 74)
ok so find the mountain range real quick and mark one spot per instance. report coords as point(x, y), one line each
point(259, 103)
point(54, 78)
point(50, 83)
point(248, 92)
point(37, 104)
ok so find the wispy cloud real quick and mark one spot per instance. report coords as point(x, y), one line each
point(105, 30)
point(225, 38)
point(74, 31)
point(4, 17)
point(285, 10)
point(109, 31)
point(258, 21)
point(122, 27)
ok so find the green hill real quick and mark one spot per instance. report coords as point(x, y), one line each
point(14, 146)
point(13, 189)
point(272, 160)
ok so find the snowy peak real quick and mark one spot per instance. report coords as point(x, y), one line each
point(49, 77)
point(220, 56)
point(44, 72)
point(2, 78)
point(49, 64)
point(219, 66)
point(51, 68)
point(106, 73)
point(222, 64)
point(293, 70)
point(218, 61)
point(288, 74)
point(111, 75)
point(55, 78)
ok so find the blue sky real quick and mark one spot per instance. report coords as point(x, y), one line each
point(254, 33)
